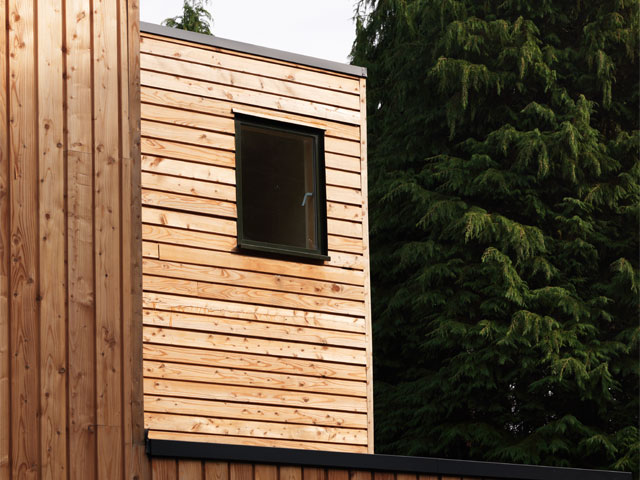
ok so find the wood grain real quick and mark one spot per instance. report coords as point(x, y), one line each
point(365, 244)
point(252, 279)
point(258, 83)
point(52, 292)
point(24, 304)
point(243, 96)
point(182, 100)
point(260, 442)
point(262, 396)
point(259, 313)
point(309, 416)
point(204, 374)
point(5, 265)
point(216, 471)
point(242, 327)
point(244, 361)
point(170, 336)
point(209, 56)
point(264, 265)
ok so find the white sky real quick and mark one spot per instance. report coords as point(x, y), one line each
point(319, 28)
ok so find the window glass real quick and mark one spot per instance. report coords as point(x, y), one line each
point(279, 187)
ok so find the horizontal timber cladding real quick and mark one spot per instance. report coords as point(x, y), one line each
point(246, 349)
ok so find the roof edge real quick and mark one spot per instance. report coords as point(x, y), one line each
point(234, 45)
point(373, 462)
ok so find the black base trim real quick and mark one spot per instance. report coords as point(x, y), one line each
point(362, 461)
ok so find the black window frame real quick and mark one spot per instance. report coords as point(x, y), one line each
point(244, 244)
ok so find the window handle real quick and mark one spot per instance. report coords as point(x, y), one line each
point(304, 199)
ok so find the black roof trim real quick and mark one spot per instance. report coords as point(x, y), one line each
point(363, 461)
point(252, 49)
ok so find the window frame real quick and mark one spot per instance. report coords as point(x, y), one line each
point(319, 181)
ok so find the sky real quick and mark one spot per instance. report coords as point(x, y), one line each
point(323, 29)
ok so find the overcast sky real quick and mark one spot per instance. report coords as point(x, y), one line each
point(320, 28)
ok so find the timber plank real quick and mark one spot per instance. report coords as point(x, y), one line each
point(335, 474)
point(185, 338)
point(211, 241)
point(150, 249)
point(205, 306)
point(341, 211)
point(248, 361)
point(5, 265)
point(227, 376)
point(290, 472)
point(193, 136)
point(224, 108)
point(345, 244)
point(240, 471)
point(270, 297)
point(252, 295)
point(157, 115)
point(365, 246)
point(261, 442)
point(245, 64)
point(342, 162)
point(253, 395)
point(107, 237)
point(343, 179)
point(190, 469)
point(344, 228)
point(250, 328)
point(80, 246)
point(183, 151)
point(264, 265)
point(244, 96)
point(52, 242)
point(216, 471)
point(249, 81)
point(211, 173)
point(202, 223)
point(337, 193)
point(252, 279)
point(192, 238)
point(187, 203)
point(23, 186)
point(189, 186)
point(265, 472)
point(164, 469)
point(196, 407)
point(312, 473)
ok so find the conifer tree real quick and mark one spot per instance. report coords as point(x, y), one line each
point(195, 17)
point(504, 203)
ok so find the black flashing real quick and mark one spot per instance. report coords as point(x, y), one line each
point(374, 462)
point(227, 44)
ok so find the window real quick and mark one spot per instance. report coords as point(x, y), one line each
point(280, 188)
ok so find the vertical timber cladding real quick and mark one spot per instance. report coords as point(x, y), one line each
point(70, 282)
point(248, 349)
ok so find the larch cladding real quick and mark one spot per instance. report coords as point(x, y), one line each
point(247, 349)
point(171, 469)
point(70, 280)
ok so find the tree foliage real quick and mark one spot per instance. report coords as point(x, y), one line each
point(195, 17)
point(504, 203)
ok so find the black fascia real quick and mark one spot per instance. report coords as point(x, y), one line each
point(373, 462)
point(233, 45)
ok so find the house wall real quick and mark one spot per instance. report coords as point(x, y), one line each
point(246, 349)
point(70, 283)
point(171, 469)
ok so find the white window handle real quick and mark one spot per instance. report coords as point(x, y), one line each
point(304, 199)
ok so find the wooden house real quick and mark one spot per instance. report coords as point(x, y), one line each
point(184, 259)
